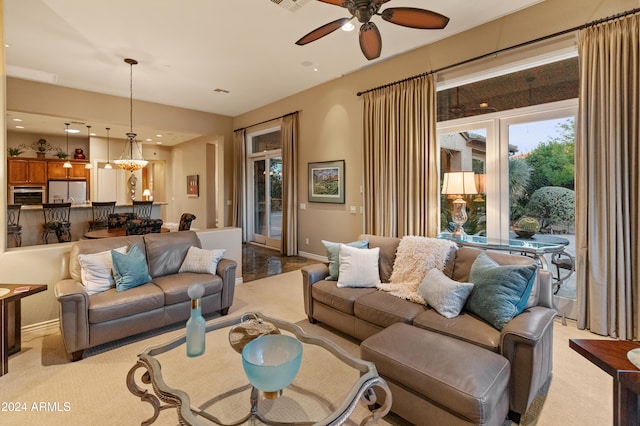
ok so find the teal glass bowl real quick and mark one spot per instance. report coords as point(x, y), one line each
point(272, 361)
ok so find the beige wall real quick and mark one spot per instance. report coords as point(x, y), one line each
point(331, 114)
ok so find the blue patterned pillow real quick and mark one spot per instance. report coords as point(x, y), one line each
point(333, 254)
point(130, 270)
point(499, 292)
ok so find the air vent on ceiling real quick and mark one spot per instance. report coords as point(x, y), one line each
point(291, 5)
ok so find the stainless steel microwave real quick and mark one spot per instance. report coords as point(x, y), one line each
point(27, 195)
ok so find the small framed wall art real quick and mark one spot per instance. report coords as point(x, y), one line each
point(326, 182)
point(193, 185)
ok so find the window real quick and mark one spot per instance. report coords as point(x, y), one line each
point(516, 133)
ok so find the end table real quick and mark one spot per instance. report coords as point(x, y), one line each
point(10, 315)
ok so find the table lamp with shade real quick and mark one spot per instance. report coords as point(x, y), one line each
point(146, 194)
point(459, 184)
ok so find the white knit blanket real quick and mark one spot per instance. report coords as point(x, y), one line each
point(414, 258)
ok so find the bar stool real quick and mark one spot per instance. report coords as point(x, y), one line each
point(13, 223)
point(56, 220)
point(142, 209)
point(101, 211)
point(185, 221)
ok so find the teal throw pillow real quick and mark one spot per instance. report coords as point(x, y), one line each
point(500, 292)
point(333, 254)
point(130, 270)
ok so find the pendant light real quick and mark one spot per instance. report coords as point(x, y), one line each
point(131, 158)
point(108, 165)
point(67, 164)
point(88, 165)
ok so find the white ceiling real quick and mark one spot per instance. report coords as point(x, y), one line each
point(187, 50)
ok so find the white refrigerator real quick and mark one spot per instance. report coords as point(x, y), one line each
point(62, 191)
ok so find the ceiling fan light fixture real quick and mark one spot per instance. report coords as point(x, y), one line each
point(348, 27)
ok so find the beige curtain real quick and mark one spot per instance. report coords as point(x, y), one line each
point(239, 182)
point(289, 138)
point(607, 179)
point(401, 184)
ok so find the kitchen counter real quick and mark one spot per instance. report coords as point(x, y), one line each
point(31, 219)
point(87, 206)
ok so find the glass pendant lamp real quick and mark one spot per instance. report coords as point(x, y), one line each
point(131, 157)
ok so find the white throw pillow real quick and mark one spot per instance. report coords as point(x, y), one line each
point(444, 294)
point(358, 267)
point(95, 270)
point(201, 261)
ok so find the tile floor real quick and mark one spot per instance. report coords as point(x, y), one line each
point(260, 262)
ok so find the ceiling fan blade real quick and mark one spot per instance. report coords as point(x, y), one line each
point(322, 31)
point(370, 40)
point(413, 17)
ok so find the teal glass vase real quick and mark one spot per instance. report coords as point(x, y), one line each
point(195, 324)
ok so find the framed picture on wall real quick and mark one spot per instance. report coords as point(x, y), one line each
point(193, 187)
point(326, 182)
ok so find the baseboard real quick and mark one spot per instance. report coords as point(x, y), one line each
point(44, 326)
point(313, 256)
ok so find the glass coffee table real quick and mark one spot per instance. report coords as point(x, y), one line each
point(213, 388)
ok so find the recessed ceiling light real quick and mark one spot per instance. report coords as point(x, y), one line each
point(17, 119)
point(72, 131)
point(149, 140)
point(159, 143)
point(158, 136)
point(315, 69)
point(7, 45)
point(19, 127)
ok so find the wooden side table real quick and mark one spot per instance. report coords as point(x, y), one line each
point(10, 333)
point(611, 357)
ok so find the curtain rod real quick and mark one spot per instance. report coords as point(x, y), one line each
point(266, 121)
point(526, 43)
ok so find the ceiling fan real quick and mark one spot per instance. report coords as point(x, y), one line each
point(364, 10)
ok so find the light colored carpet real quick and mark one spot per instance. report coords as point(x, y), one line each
point(50, 390)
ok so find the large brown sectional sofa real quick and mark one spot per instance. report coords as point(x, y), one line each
point(88, 320)
point(440, 370)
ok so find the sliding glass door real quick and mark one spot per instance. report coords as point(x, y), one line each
point(264, 196)
point(267, 200)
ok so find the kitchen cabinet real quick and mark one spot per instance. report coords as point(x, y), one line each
point(23, 171)
point(56, 171)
